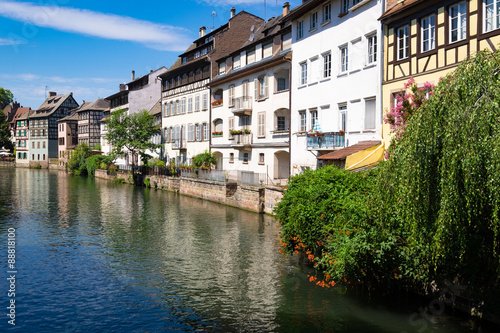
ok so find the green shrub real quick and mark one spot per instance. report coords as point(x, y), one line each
point(119, 180)
point(147, 182)
point(77, 164)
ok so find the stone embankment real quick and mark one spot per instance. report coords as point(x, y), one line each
point(259, 199)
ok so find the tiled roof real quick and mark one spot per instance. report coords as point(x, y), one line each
point(72, 117)
point(343, 153)
point(50, 105)
point(19, 113)
point(99, 104)
point(399, 7)
point(156, 108)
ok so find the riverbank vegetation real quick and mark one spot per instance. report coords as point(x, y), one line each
point(430, 213)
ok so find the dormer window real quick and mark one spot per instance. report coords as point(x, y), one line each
point(236, 62)
point(197, 54)
point(267, 50)
point(222, 68)
point(184, 60)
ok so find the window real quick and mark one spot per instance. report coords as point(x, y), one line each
point(281, 123)
point(303, 73)
point(313, 23)
point(206, 130)
point(231, 157)
point(38, 145)
point(428, 33)
point(172, 108)
point(492, 15)
point(183, 105)
point(403, 42)
point(197, 54)
point(231, 95)
point(197, 103)
point(230, 126)
point(343, 116)
point(327, 65)
point(250, 57)
point(245, 158)
point(344, 6)
point(261, 158)
point(303, 121)
point(245, 86)
point(327, 13)
point(236, 62)
point(281, 82)
point(184, 60)
point(344, 59)
point(222, 68)
point(370, 109)
point(190, 132)
point(190, 104)
point(205, 102)
point(300, 29)
point(267, 50)
point(261, 88)
point(458, 22)
point(262, 125)
point(166, 111)
point(218, 125)
point(372, 49)
point(198, 132)
point(204, 51)
point(177, 107)
point(314, 117)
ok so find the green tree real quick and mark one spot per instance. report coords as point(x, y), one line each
point(4, 132)
point(77, 164)
point(132, 133)
point(205, 160)
point(6, 97)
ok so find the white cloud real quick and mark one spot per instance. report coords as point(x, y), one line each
point(7, 41)
point(108, 26)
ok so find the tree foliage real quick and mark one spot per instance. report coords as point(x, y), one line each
point(205, 160)
point(430, 213)
point(77, 164)
point(6, 97)
point(4, 132)
point(132, 133)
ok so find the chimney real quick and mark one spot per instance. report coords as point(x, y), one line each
point(286, 8)
point(133, 75)
point(83, 102)
point(122, 87)
point(233, 12)
point(52, 93)
point(203, 31)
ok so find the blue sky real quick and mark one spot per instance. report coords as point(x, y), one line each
point(90, 47)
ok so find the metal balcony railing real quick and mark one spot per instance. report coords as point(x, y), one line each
point(325, 141)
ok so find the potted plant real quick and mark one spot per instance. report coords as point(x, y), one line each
point(247, 131)
point(341, 133)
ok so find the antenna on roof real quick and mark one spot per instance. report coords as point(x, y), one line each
point(214, 14)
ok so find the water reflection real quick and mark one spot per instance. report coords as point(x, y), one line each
point(98, 256)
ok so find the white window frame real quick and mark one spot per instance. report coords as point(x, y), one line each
point(197, 132)
point(343, 117)
point(261, 133)
point(327, 13)
point(204, 104)
point(303, 73)
point(428, 29)
point(313, 21)
point(371, 49)
point(206, 131)
point(461, 21)
point(190, 104)
point(403, 41)
point(344, 58)
point(303, 121)
point(327, 65)
point(491, 10)
point(190, 137)
point(314, 116)
point(183, 105)
point(300, 29)
point(197, 103)
point(372, 118)
point(231, 95)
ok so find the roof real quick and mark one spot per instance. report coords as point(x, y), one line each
point(72, 117)
point(19, 113)
point(343, 153)
point(50, 105)
point(398, 8)
point(156, 108)
point(99, 104)
point(118, 94)
point(151, 72)
point(304, 8)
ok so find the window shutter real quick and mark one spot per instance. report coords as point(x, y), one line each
point(256, 88)
point(266, 87)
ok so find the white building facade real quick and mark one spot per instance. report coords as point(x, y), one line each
point(336, 78)
point(250, 114)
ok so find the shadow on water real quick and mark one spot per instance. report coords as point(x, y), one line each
point(94, 255)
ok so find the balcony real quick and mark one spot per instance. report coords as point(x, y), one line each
point(242, 141)
point(241, 106)
point(325, 141)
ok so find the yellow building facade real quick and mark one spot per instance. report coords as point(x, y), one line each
point(427, 39)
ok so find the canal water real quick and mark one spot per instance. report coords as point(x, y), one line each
point(94, 256)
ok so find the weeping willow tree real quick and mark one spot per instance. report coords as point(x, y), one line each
point(440, 188)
